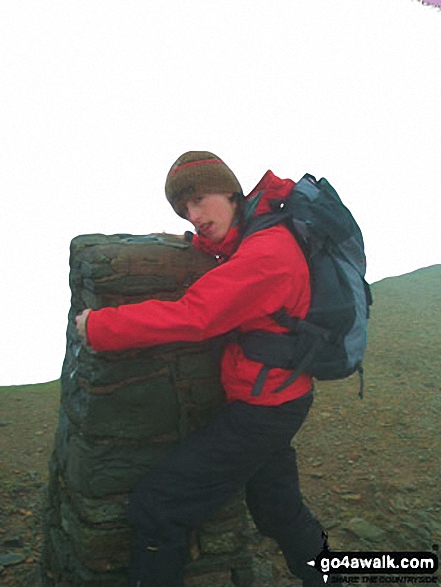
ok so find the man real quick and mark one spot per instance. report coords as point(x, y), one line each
point(248, 443)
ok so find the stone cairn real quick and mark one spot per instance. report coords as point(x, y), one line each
point(121, 412)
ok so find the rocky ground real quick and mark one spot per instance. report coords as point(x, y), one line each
point(370, 468)
point(28, 419)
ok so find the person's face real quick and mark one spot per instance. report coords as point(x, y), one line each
point(212, 215)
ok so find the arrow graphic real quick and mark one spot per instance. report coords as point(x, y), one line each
point(312, 564)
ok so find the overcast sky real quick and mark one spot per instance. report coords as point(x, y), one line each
point(98, 98)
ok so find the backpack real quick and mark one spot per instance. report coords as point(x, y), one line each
point(330, 342)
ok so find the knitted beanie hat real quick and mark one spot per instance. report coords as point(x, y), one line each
point(196, 173)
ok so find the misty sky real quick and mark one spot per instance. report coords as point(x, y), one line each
point(98, 98)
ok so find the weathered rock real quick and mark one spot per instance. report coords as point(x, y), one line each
point(366, 530)
point(121, 412)
point(13, 542)
point(11, 558)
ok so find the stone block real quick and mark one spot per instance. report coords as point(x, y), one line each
point(132, 285)
point(110, 509)
point(110, 369)
point(206, 392)
point(139, 410)
point(219, 542)
point(197, 366)
point(100, 548)
point(216, 579)
point(62, 435)
point(98, 470)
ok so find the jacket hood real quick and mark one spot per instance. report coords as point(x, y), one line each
point(258, 201)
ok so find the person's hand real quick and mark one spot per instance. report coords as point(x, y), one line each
point(81, 322)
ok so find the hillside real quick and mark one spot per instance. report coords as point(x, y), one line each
point(406, 325)
point(369, 468)
point(377, 459)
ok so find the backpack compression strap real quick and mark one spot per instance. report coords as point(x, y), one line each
point(301, 368)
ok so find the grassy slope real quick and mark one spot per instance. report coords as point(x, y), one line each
point(28, 418)
point(380, 456)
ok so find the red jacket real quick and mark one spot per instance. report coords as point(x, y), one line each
point(267, 272)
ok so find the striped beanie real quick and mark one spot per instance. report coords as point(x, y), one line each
point(196, 173)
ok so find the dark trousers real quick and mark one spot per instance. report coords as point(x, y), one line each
point(243, 445)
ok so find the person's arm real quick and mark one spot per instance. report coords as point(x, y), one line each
point(251, 284)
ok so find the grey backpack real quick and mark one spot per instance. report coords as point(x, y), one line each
point(330, 342)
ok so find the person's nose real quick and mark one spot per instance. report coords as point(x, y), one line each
point(192, 214)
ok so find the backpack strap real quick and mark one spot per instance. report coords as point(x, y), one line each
point(267, 220)
point(361, 377)
point(295, 324)
point(260, 380)
point(301, 368)
point(278, 350)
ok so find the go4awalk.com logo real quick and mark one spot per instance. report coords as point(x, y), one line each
point(377, 567)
